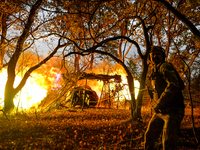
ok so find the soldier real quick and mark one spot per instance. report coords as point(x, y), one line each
point(167, 102)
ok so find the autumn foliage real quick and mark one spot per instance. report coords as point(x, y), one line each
point(83, 33)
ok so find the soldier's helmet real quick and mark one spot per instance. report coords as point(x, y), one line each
point(158, 48)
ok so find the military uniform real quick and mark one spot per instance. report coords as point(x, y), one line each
point(167, 102)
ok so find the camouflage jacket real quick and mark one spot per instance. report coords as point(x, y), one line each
point(167, 86)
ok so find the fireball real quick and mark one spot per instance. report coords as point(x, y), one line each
point(30, 95)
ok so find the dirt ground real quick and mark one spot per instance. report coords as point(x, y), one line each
point(75, 129)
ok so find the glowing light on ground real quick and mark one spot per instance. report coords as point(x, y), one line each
point(30, 95)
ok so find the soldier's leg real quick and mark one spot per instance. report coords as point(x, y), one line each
point(153, 132)
point(171, 130)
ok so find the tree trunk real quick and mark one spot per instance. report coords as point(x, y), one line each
point(91, 61)
point(131, 89)
point(76, 63)
point(3, 37)
point(137, 114)
point(9, 95)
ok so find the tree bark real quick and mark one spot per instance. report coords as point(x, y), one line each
point(3, 36)
point(141, 90)
point(8, 98)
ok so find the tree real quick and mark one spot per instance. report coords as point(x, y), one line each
point(167, 31)
point(106, 40)
point(94, 50)
point(104, 27)
point(186, 42)
point(180, 16)
point(27, 19)
point(142, 23)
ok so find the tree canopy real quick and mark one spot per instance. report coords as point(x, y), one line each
point(114, 28)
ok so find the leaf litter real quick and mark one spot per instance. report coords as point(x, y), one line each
point(89, 129)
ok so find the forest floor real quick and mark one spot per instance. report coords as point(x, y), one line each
point(97, 129)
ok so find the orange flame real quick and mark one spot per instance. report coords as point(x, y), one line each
point(32, 93)
point(117, 69)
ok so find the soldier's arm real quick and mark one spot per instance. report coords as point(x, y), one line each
point(173, 85)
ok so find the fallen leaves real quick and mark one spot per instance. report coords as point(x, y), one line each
point(61, 129)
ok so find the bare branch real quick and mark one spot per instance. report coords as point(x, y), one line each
point(180, 16)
